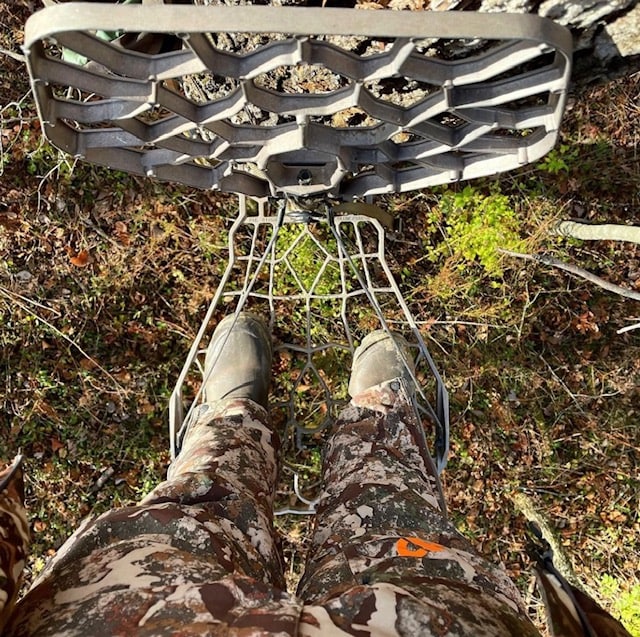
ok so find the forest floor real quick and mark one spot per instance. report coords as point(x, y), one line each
point(104, 279)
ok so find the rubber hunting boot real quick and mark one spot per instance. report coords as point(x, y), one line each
point(379, 358)
point(238, 361)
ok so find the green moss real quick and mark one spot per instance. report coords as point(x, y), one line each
point(476, 226)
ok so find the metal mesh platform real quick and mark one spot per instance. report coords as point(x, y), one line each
point(298, 100)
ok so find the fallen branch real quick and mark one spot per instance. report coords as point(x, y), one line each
point(597, 231)
point(525, 505)
point(16, 56)
point(577, 271)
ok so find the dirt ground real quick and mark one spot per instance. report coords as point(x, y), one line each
point(104, 279)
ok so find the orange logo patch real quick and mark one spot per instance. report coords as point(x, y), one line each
point(415, 547)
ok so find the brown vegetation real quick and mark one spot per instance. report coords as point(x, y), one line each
point(104, 279)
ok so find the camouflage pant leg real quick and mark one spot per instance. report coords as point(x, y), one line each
point(229, 460)
point(196, 557)
point(14, 536)
point(383, 555)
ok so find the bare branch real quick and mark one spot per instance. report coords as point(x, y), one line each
point(525, 505)
point(628, 328)
point(16, 56)
point(577, 271)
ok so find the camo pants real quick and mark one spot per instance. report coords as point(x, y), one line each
point(199, 556)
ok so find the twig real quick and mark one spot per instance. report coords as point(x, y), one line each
point(527, 305)
point(16, 56)
point(623, 442)
point(89, 224)
point(13, 299)
point(628, 328)
point(577, 271)
point(55, 168)
point(562, 383)
point(28, 300)
point(429, 322)
point(18, 120)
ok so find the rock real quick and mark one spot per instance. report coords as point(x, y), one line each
point(581, 14)
point(620, 38)
point(506, 6)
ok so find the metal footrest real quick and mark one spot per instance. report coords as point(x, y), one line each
point(266, 100)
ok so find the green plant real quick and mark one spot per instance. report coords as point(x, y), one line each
point(558, 160)
point(305, 261)
point(476, 226)
point(625, 603)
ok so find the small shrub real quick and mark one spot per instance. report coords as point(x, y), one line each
point(625, 604)
point(558, 160)
point(309, 265)
point(477, 225)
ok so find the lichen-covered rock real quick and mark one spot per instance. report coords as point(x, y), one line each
point(606, 32)
point(620, 38)
point(606, 29)
point(506, 6)
point(581, 14)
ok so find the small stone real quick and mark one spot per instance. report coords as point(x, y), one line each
point(24, 276)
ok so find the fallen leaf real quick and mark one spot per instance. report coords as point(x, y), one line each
point(123, 376)
point(122, 232)
point(81, 259)
point(39, 526)
point(88, 364)
point(145, 407)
